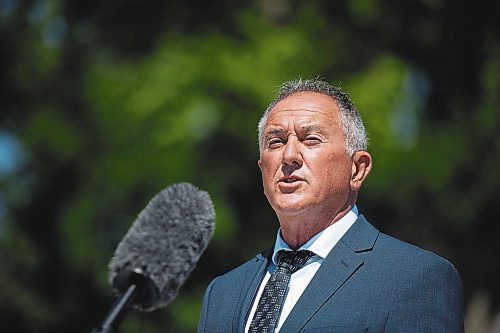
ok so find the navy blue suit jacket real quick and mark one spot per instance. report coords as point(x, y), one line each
point(369, 282)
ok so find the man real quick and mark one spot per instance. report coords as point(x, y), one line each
point(346, 276)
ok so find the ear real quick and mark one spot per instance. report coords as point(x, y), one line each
point(361, 167)
point(259, 163)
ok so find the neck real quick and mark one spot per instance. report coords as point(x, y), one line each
point(297, 229)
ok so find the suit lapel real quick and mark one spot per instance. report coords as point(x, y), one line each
point(342, 262)
point(251, 283)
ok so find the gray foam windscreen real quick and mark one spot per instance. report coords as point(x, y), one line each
point(165, 242)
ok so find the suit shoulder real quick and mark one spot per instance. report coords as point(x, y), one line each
point(242, 270)
point(402, 252)
point(226, 294)
point(427, 291)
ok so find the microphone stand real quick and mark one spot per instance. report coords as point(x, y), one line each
point(118, 311)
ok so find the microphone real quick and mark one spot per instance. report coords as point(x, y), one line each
point(160, 250)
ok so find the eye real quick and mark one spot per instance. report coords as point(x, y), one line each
point(275, 142)
point(312, 140)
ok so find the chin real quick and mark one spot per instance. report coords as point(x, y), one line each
point(290, 206)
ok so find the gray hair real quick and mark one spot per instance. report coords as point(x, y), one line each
point(352, 125)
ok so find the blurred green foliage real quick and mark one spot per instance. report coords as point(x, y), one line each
point(108, 103)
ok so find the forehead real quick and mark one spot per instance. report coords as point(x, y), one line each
point(305, 107)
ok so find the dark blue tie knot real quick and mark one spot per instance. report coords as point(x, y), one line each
point(294, 259)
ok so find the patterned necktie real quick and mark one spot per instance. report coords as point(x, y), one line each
point(269, 308)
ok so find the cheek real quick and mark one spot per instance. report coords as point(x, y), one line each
point(268, 166)
point(267, 174)
point(334, 169)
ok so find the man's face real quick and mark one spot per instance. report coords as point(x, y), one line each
point(303, 158)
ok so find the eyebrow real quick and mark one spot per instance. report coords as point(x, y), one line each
point(313, 128)
point(302, 130)
point(274, 131)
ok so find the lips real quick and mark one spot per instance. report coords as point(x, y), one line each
point(290, 179)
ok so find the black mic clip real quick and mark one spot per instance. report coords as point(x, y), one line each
point(134, 287)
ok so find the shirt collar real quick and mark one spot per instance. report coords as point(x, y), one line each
point(322, 243)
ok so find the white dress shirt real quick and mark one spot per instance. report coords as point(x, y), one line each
point(321, 244)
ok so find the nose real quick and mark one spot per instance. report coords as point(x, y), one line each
point(291, 153)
